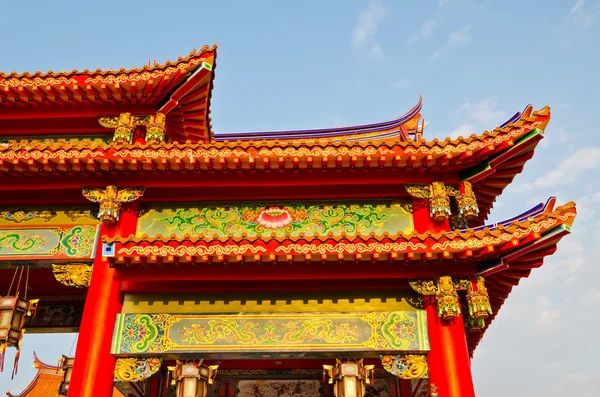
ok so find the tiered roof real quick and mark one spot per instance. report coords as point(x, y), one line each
point(66, 103)
point(385, 155)
point(490, 161)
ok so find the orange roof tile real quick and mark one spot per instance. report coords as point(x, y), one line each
point(46, 382)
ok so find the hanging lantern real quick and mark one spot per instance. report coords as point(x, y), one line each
point(14, 309)
point(155, 131)
point(439, 204)
point(67, 368)
point(349, 378)
point(466, 201)
point(479, 300)
point(192, 378)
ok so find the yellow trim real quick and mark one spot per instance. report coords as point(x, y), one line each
point(385, 302)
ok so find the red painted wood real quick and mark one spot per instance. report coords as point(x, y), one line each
point(93, 371)
point(422, 219)
point(449, 363)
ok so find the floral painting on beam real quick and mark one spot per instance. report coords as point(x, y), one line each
point(279, 219)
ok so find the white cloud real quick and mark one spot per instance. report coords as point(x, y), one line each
point(402, 83)
point(567, 171)
point(444, 3)
point(463, 130)
point(485, 112)
point(427, 28)
point(476, 117)
point(363, 37)
point(577, 7)
point(457, 38)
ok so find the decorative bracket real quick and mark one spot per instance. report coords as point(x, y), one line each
point(411, 366)
point(125, 125)
point(73, 274)
point(439, 203)
point(466, 201)
point(136, 369)
point(437, 194)
point(445, 292)
point(110, 200)
point(478, 300)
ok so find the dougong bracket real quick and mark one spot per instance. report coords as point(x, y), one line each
point(125, 125)
point(437, 194)
point(445, 293)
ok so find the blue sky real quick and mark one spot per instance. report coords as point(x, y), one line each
point(284, 65)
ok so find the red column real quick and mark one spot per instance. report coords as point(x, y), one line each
point(448, 360)
point(93, 370)
point(423, 221)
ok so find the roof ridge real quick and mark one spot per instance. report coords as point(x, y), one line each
point(38, 74)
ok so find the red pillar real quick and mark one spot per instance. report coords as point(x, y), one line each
point(93, 370)
point(423, 221)
point(448, 360)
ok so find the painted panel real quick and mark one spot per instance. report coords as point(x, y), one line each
point(57, 242)
point(252, 219)
point(307, 332)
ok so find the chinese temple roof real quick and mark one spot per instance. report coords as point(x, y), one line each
point(46, 382)
point(71, 102)
point(489, 161)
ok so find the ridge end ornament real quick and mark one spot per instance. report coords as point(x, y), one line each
point(110, 200)
point(73, 274)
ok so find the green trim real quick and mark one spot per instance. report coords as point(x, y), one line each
point(484, 166)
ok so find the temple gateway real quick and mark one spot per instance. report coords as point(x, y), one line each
point(342, 262)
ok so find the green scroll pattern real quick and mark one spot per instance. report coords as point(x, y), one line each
point(55, 242)
point(168, 333)
point(266, 219)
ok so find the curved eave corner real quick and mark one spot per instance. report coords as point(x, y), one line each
point(505, 272)
point(492, 175)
